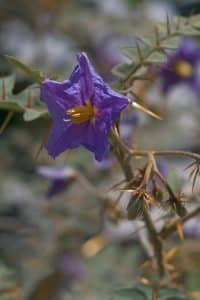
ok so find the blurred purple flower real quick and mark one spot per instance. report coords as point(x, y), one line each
point(71, 265)
point(182, 66)
point(192, 228)
point(83, 109)
point(60, 178)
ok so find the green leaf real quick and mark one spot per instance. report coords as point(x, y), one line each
point(35, 75)
point(189, 31)
point(10, 105)
point(127, 294)
point(26, 102)
point(123, 70)
point(32, 114)
point(141, 71)
point(131, 53)
point(195, 21)
point(156, 57)
point(137, 292)
point(144, 292)
point(171, 294)
point(164, 36)
point(171, 43)
point(8, 83)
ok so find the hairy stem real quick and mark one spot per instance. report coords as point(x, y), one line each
point(186, 154)
point(169, 229)
point(120, 152)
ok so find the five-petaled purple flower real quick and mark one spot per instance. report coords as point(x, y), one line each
point(83, 110)
point(182, 66)
point(60, 178)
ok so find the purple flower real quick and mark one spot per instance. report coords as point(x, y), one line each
point(60, 178)
point(192, 228)
point(71, 265)
point(182, 66)
point(83, 110)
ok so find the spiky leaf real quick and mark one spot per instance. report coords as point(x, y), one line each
point(26, 102)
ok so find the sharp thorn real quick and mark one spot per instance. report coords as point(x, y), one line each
point(6, 121)
point(146, 110)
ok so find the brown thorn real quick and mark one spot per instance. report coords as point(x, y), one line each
point(6, 121)
point(29, 103)
point(155, 291)
point(146, 110)
point(195, 178)
point(168, 25)
point(190, 165)
point(188, 20)
point(179, 229)
point(157, 36)
point(139, 51)
point(178, 23)
point(170, 228)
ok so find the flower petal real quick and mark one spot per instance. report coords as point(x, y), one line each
point(66, 137)
point(96, 140)
point(60, 96)
point(86, 82)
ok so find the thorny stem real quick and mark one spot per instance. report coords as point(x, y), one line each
point(186, 154)
point(176, 203)
point(43, 141)
point(145, 153)
point(169, 229)
point(120, 152)
point(127, 82)
point(156, 241)
point(6, 121)
point(174, 200)
point(155, 291)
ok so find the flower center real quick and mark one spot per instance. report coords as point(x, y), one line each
point(82, 113)
point(183, 68)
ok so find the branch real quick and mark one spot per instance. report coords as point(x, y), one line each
point(169, 229)
point(186, 154)
point(120, 152)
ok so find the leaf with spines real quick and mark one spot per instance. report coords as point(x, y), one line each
point(152, 48)
point(26, 102)
point(123, 69)
point(144, 292)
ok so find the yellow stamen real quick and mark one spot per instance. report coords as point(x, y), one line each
point(183, 68)
point(81, 113)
